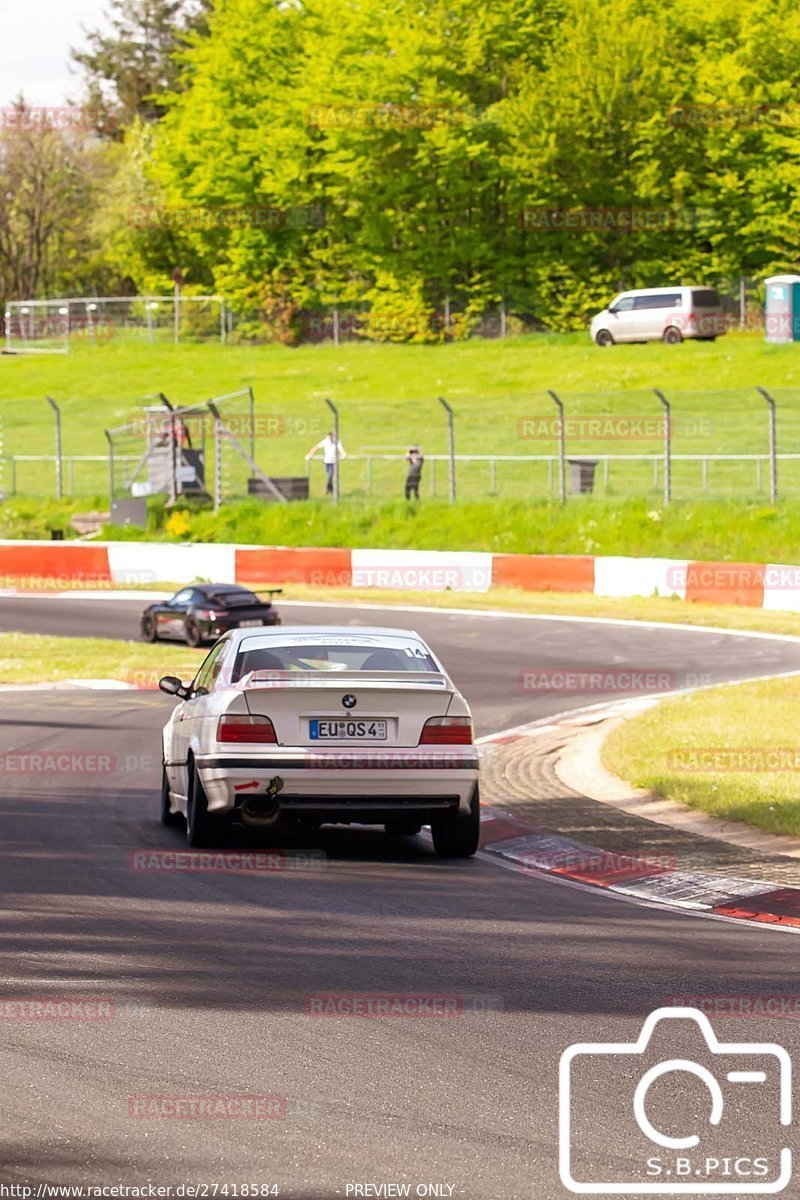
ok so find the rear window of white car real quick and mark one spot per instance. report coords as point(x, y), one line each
point(331, 652)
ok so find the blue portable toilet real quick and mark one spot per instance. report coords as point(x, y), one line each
point(783, 308)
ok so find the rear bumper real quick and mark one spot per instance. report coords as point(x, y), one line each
point(343, 785)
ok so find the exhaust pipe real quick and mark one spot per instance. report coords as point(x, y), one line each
point(263, 811)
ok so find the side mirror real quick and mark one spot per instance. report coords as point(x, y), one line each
point(173, 686)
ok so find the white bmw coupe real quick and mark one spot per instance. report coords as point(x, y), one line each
point(325, 725)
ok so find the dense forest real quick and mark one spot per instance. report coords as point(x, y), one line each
point(414, 156)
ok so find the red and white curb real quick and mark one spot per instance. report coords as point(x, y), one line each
point(644, 877)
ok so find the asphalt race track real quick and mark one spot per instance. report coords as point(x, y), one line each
point(210, 978)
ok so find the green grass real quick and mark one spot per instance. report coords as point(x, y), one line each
point(657, 749)
point(732, 530)
point(387, 397)
point(559, 604)
point(34, 658)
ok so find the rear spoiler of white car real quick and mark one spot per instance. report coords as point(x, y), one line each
point(256, 680)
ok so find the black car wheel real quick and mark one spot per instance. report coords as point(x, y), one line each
point(167, 816)
point(604, 338)
point(456, 835)
point(149, 628)
point(199, 825)
point(673, 336)
point(192, 632)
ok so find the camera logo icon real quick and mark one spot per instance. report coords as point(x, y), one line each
point(636, 1119)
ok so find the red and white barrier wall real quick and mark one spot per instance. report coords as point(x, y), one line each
point(53, 565)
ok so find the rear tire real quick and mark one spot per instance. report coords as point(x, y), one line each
point(168, 817)
point(604, 338)
point(199, 826)
point(408, 826)
point(149, 629)
point(672, 336)
point(193, 633)
point(457, 834)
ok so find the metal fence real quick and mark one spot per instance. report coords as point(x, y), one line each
point(665, 445)
point(54, 325)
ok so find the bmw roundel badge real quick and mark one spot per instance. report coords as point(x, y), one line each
point(349, 701)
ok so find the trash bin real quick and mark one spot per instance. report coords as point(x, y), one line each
point(782, 317)
point(581, 474)
point(291, 487)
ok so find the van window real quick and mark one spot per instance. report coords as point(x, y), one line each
point(664, 300)
point(706, 298)
point(623, 305)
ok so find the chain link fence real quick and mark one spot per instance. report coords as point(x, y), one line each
point(54, 325)
point(552, 444)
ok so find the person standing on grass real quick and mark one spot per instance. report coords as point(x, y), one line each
point(332, 451)
point(415, 461)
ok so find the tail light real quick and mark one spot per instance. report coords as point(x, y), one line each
point(235, 728)
point(446, 731)
point(205, 614)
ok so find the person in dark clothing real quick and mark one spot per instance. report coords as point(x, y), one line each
point(415, 461)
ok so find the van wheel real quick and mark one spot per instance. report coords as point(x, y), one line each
point(672, 336)
point(457, 834)
point(604, 338)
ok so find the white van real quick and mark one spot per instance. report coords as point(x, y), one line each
point(660, 314)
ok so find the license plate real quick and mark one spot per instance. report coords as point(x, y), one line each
point(242, 624)
point(347, 730)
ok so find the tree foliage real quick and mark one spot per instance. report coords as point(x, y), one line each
point(421, 157)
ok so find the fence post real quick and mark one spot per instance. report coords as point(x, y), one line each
point(452, 437)
point(174, 451)
point(110, 441)
point(667, 445)
point(59, 473)
point(773, 445)
point(217, 462)
point(335, 412)
point(562, 450)
point(252, 427)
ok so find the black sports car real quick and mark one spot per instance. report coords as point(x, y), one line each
point(202, 612)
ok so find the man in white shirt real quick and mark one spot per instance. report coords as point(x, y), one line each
point(332, 451)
